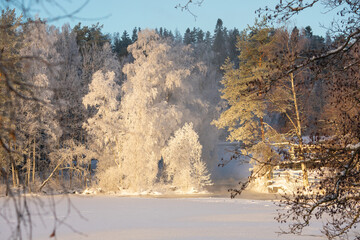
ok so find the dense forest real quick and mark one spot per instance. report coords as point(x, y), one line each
point(128, 105)
point(144, 113)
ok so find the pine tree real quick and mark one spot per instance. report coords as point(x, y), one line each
point(125, 42)
point(208, 38)
point(219, 43)
point(200, 36)
point(232, 42)
point(134, 35)
point(93, 35)
point(178, 38)
point(188, 37)
point(244, 90)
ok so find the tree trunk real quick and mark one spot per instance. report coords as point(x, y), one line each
point(85, 179)
point(269, 168)
point(299, 134)
point(28, 176)
point(12, 166)
point(262, 126)
point(34, 162)
point(50, 176)
point(90, 173)
point(70, 175)
point(61, 177)
point(28, 167)
point(13, 174)
point(17, 177)
point(6, 179)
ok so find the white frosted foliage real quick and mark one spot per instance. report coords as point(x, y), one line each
point(104, 126)
point(158, 98)
point(161, 110)
point(102, 95)
point(182, 160)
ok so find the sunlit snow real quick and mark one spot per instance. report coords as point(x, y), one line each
point(114, 217)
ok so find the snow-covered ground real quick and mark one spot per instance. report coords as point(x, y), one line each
point(114, 217)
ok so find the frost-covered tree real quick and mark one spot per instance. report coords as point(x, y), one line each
point(104, 127)
point(68, 86)
point(182, 160)
point(11, 85)
point(160, 94)
point(102, 101)
point(16, 87)
point(95, 50)
point(37, 119)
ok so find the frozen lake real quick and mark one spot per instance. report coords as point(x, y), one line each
point(114, 217)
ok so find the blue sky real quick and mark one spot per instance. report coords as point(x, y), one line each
point(120, 15)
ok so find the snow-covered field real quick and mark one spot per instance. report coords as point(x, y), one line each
point(114, 217)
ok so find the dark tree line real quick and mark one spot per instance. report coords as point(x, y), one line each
point(222, 41)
